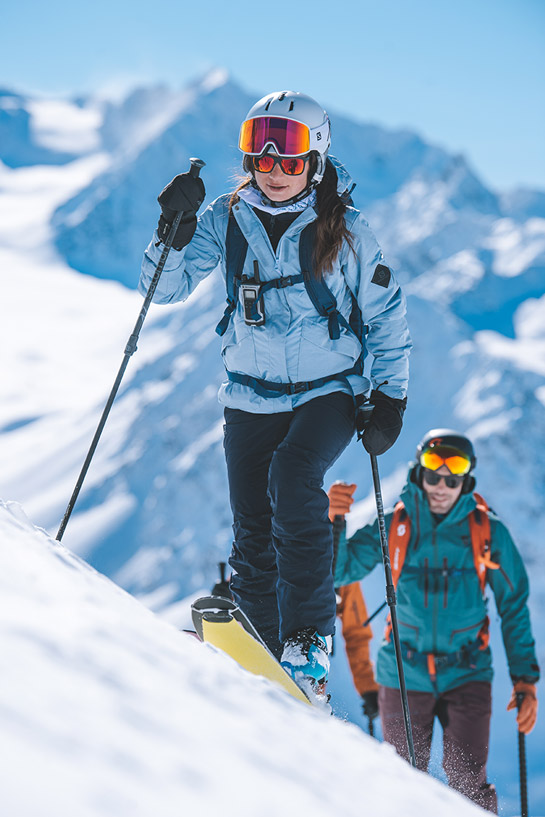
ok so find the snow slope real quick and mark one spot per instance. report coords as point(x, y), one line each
point(107, 711)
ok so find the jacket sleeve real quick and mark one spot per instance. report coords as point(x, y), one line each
point(353, 612)
point(510, 587)
point(185, 269)
point(383, 308)
point(358, 555)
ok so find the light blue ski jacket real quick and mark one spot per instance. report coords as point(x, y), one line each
point(294, 344)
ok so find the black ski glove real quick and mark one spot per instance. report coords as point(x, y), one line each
point(183, 193)
point(386, 422)
point(370, 704)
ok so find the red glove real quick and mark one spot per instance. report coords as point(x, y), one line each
point(340, 499)
point(527, 714)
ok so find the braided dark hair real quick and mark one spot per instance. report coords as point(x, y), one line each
point(331, 229)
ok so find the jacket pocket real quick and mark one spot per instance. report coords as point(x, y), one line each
point(319, 355)
point(238, 348)
point(410, 628)
point(465, 634)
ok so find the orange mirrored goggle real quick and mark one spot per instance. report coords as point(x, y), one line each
point(288, 138)
point(456, 461)
point(291, 165)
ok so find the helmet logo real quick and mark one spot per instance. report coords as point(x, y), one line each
point(318, 136)
point(436, 441)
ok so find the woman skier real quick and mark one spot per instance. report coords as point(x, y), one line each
point(305, 281)
point(445, 547)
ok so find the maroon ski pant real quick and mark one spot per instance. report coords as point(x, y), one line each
point(464, 713)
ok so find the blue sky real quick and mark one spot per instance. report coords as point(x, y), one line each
point(469, 75)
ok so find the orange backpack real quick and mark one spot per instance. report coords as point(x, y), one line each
point(479, 526)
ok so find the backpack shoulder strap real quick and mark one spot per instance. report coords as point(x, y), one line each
point(398, 539)
point(318, 291)
point(236, 248)
point(479, 526)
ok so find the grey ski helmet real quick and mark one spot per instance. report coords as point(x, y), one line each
point(446, 443)
point(272, 124)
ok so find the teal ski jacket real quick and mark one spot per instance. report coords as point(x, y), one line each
point(440, 607)
point(294, 344)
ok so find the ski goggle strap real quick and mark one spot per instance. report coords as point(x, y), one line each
point(456, 461)
point(289, 138)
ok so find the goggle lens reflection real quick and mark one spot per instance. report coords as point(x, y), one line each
point(289, 138)
point(291, 166)
point(456, 461)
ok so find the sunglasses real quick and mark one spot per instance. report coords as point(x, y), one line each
point(289, 138)
point(291, 166)
point(451, 481)
point(456, 461)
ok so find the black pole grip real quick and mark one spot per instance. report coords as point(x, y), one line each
point(363, 415)
point(196, 166)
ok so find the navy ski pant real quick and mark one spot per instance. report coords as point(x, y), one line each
point(283, 549)
point(464, 713)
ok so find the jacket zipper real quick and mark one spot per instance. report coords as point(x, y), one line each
point(435, 588)
point(426, 581)
point(445, 585)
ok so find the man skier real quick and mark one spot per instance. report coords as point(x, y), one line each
point(445, 544)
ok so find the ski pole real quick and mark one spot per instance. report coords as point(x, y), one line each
point(522, 765)
point(222, 566)
point(373, 615)
point(130, 348)
point(338, 527)
point(365, 416)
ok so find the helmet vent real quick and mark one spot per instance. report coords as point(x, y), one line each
point(291, 106)
point(268, 103)
point(281, 97)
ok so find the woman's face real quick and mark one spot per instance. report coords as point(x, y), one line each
point(278, 186)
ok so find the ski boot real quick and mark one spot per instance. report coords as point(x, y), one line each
point(306, 659)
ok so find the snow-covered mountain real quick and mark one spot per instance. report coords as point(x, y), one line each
point(153, 514)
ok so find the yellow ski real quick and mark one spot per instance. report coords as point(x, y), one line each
point(221, 622)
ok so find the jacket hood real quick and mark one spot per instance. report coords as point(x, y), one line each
point(345, 184)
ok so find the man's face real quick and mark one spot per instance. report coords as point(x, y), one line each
point(441, 499)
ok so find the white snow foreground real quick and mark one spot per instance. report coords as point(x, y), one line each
point(108, 710)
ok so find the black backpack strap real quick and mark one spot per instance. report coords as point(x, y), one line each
point(319, 293)
point(236, 248)
point(269, 388)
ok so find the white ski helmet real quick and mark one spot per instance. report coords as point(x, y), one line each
point(292, 124)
